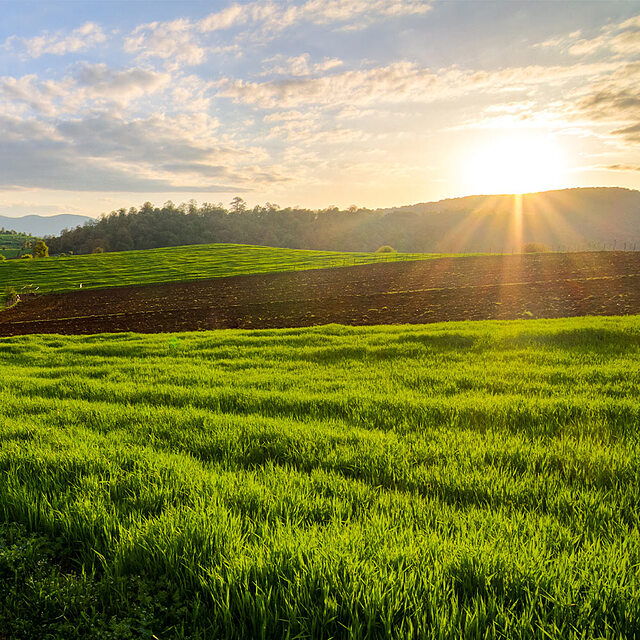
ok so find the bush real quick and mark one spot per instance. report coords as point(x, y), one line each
point(534, 247)
point(385, 248)
point(98, 250)
point(2, 258)
point(26, 256)
point(40, 249)
point(8, 298)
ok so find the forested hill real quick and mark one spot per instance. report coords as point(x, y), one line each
point(565, 220)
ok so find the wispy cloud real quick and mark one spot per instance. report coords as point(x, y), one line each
point(184, 42)
point(298, 65)
point(398, 82)
point(58, 44)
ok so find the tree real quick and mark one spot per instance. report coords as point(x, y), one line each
point(238, 205)
point(40, 249)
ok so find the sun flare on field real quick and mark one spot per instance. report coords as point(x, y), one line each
point(516, 164)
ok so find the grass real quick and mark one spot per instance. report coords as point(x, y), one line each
point(476, 480)
point(11, 244)
point(193, 262)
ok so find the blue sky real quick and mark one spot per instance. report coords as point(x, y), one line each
point(312, 102)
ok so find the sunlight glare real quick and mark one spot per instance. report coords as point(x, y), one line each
point(516, 164)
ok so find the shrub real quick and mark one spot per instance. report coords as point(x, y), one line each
point(2, 258)
point(26, 256)
point(40, 249)
point(8, 297)
point(385, 248)
point(98, 250)
point(534, 247)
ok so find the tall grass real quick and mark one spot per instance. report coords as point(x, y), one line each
point(194, 262)
point(456, 480)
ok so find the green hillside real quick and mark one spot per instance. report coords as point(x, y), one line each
point(11, 244)
point(194, 262)
point(456, 480)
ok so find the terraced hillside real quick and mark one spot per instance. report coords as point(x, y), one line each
point(458, 480)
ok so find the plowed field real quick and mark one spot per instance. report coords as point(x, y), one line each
point(473, 288)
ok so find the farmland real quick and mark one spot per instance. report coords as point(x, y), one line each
point(11, 244)
point(195, 262)
point(414, 481)
point(457, 288)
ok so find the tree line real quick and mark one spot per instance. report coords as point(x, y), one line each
point(577, 218)
point(149, 227)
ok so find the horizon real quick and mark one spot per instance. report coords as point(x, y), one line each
point(374, 103)
point(393, 206)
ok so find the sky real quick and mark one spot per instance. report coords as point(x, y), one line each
point(312, 103)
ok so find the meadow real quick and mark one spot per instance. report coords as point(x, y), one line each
point(454, 480)
point(174, 264)
point(11, 244)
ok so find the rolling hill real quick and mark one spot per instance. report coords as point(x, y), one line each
point(566, 219)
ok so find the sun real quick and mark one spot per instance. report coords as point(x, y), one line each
point(516, 163)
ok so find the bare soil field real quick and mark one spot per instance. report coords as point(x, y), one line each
point(467, 288)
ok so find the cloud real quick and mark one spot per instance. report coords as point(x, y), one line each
point(119, 85)
point(59, 44)
point(623, 167)
point(613, 101)
point(183, 42)
point(399, 82)
point(173, 41)
point(88, 86)
point(276, 16)
point(620, 39)
point(630, 133)
point(109, 153)
point(298, 65)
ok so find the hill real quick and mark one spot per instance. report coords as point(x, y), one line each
point(566, 219)
point(12, 245)
point(173, 264)
point(40, 226)
point(570, 219)
point(336, 482)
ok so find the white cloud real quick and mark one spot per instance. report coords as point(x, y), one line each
point(88, 86)
point(181, 42)
point(620, 39)
point(298, 65)
point(174, 41)
point(119, 85)
point(59, 44)
point(396, 83)
point(275, 16)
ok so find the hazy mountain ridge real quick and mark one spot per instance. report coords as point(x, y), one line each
point(39, 226)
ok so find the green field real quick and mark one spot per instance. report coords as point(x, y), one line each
point(11, 244)
point(475, 480)
point(193, 262)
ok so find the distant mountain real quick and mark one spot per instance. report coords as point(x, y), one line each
point(42, 225)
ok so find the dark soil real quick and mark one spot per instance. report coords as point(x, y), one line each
point(472, 288)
